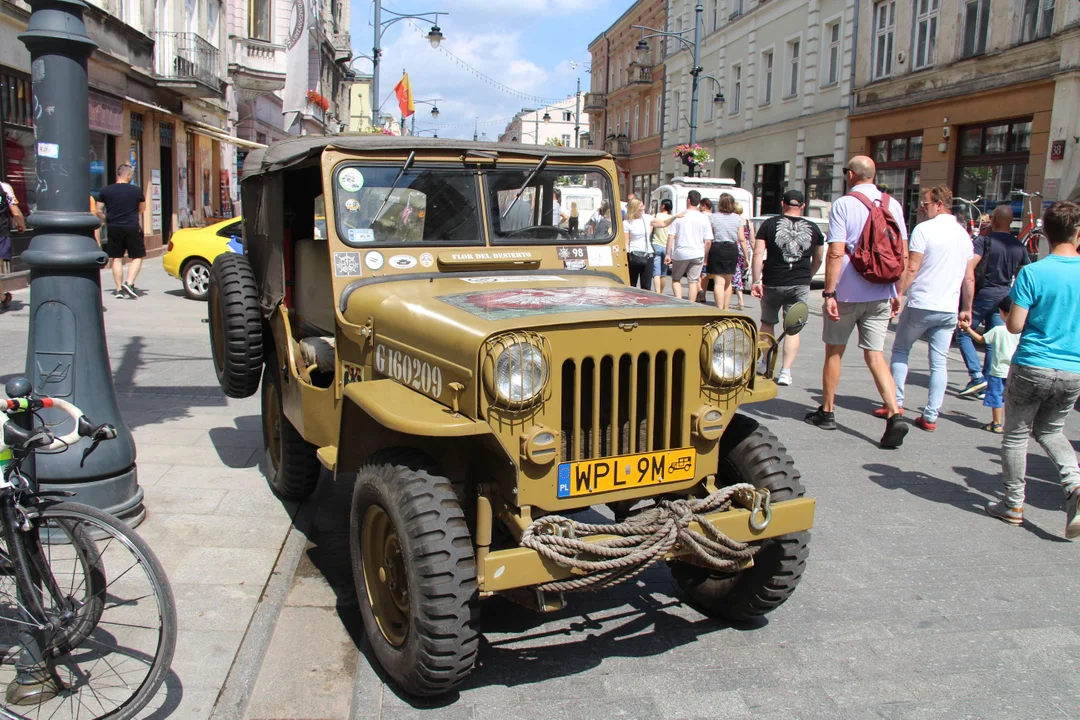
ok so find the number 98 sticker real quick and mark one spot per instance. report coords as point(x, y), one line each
point(409, 371)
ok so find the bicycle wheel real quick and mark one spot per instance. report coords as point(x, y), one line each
point(106, 642)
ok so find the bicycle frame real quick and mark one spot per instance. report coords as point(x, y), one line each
point(1030, 232)
point(976, 212)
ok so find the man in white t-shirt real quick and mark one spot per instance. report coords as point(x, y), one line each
point(686, 246)
point(936, 277)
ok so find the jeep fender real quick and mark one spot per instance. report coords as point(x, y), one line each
point(381, 414)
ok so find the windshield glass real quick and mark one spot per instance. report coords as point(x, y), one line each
point(558, 204)
point(427, 206)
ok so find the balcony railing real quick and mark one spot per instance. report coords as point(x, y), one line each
point(640, 75)
point(186, 58)
point(618, 146)
point(594, 102)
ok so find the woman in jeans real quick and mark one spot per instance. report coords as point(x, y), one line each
point(639, 248)
point(722, 257)
point(1044, 380)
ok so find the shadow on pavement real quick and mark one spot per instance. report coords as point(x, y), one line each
point(780, 408)
point(246, 434)
point(174, 693)
point(974, 498)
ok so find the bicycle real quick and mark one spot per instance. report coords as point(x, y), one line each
point(1031, 234)
point(87, 617)
point(974, 222)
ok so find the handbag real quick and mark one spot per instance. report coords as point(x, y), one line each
point(639, 258)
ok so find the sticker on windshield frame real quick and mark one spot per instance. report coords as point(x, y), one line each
point(350, 180)
point(374, 260)
point(352, 205)
point(347, 264)
point(427, 259)
point(402, 262)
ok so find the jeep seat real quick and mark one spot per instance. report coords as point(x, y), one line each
point(313, 291)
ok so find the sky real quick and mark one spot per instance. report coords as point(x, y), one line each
point(528, 45)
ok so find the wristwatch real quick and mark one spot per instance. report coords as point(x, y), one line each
point(828, 295)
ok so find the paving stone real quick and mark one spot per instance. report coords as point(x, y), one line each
point(215, 607)
point(249, 567)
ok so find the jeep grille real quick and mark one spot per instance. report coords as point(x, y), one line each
point(622, 405)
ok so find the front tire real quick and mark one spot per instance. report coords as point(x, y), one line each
point(292, 464)
point(415, 574)
point(236, 332)
point(750, 453)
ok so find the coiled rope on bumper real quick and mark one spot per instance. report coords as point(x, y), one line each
point(641, 540)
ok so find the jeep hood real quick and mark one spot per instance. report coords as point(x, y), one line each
point(459, 311)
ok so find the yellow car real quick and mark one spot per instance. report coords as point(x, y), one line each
point(192, 251)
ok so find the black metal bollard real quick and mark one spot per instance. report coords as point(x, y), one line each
point(67, 356)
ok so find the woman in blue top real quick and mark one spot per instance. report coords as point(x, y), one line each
point(1044, 380)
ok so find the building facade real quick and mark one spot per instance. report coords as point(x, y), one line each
point(547, 125)
point(982, 96)
point(784, 68)
point(625, 102)
point(180, 90)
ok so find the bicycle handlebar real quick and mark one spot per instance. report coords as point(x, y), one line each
point(83, 426)
point(1021, 193)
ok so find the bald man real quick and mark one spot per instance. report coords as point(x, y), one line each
point(852, 301)
point(1006, 256)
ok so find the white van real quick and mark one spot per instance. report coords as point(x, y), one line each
point(677, 190)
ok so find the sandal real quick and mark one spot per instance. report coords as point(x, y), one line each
point(993, 427)
point(6, 302)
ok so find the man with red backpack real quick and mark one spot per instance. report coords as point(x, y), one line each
point(864, 265)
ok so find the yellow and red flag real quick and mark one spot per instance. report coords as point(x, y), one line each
point(404, 96)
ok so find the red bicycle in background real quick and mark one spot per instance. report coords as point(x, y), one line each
point(1031, 233)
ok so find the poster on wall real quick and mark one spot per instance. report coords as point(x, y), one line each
point(155, 200)
point(181, 178)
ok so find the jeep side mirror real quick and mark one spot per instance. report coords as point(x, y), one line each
point(795, 318)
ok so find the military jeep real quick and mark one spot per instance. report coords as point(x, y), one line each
point(440, 324)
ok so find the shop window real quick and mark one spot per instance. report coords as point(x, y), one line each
point(259, 20)
point(884, 26)
point(767, 72)
point(993, 162)
point(135, 156)
point(926, 27)
point(819, 178)
point(832, 33)
point(18, 151)
point(898, 161)
point(976, 27)
point(1038, 20)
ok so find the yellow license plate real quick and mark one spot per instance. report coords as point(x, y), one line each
point(623, 472)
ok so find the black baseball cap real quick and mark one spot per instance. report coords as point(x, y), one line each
point(794, 197)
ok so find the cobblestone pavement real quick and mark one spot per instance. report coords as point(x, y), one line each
point(915, 603)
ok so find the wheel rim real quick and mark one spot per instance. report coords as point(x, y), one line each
point(217, 338)
point(384, 575)
point(197, 279)
point(271, 412)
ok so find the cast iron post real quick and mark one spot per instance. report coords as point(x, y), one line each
point(67, 356)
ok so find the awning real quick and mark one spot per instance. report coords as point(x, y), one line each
point(221, 136)
point(150, 106)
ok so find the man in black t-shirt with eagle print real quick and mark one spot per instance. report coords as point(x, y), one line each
point(788, 251)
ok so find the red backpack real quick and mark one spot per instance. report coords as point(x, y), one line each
point(879, 253)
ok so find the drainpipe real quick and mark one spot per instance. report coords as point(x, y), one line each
point(854, 59)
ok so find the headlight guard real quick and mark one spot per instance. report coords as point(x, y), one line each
point(516, 369)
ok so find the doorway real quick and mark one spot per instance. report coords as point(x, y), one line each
point(167, 174)
point(770, 181)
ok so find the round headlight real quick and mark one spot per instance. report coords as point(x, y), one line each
point(520, 374)
point(732, 355)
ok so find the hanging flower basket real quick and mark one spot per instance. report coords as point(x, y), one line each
point(318, 100)
point(692, 155)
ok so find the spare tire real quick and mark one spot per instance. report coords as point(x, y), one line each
point(236, 335)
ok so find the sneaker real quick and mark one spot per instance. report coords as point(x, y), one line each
point(119, 294)
point(783, 377)
point(824, 420)
point(924, 424)
point(883, 412)
point(1072, 517)
point(1011, 515)
point(895, 430)
point(973, 388)
point(130, 290)
point(981, 395)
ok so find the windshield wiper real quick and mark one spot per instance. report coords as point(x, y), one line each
point(404, 168)
point(539, 166)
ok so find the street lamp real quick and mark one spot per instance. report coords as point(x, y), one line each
point(642, 48)
point(434, 111)
point(67, 356)
point(435, 37)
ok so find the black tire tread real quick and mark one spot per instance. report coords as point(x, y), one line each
point(232, 278)
point(298, 475)
point(750, 452)
point(442, 643)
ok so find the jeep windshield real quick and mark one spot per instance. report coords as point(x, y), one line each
point(557, 205)
point(428, 205)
